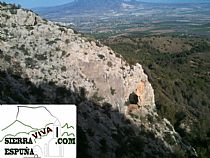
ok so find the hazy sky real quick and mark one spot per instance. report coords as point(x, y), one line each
point(37, 3)
point(44, 3)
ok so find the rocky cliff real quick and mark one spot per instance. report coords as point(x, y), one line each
point(42, 62)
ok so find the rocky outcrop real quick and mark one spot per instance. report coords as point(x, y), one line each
point(54, 53)
point(64, 67)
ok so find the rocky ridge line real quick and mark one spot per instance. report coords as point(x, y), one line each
point(44, 52)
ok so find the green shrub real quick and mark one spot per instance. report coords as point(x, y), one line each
point(30, 62)
point(13, 11)
point(40, 56)
point(101, 56)
point(7, 58)
point(3, 3)
point(63, 68)
point(63, 53)
point(112, 91)
point(1, 54)
point(109, 63)
point(51, 42)
point(29, 28)
point(67, 41)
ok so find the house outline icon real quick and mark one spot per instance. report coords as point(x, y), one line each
point(52, 149)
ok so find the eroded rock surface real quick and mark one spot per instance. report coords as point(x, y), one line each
point(42, 62)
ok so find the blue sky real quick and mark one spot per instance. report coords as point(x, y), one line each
point(45, 3)
point(176, 1)
point(37, 3)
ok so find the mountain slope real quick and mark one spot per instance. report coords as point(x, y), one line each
point(42, 62)
point(82, 6)
point(178, 68)
point(45, 51)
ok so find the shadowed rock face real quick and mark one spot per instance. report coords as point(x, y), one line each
point(42, 62)
point(102, 130)
point(45, 51)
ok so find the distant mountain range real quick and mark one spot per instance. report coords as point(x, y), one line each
point(81, 6)
point(88, 5)
point(97, 5)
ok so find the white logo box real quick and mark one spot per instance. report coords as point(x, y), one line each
point(43, 131)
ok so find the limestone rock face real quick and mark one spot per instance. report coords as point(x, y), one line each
point(42, 62)
point(49, 52)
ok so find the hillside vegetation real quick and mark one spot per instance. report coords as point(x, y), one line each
point(43, 62)
point(179, 70)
